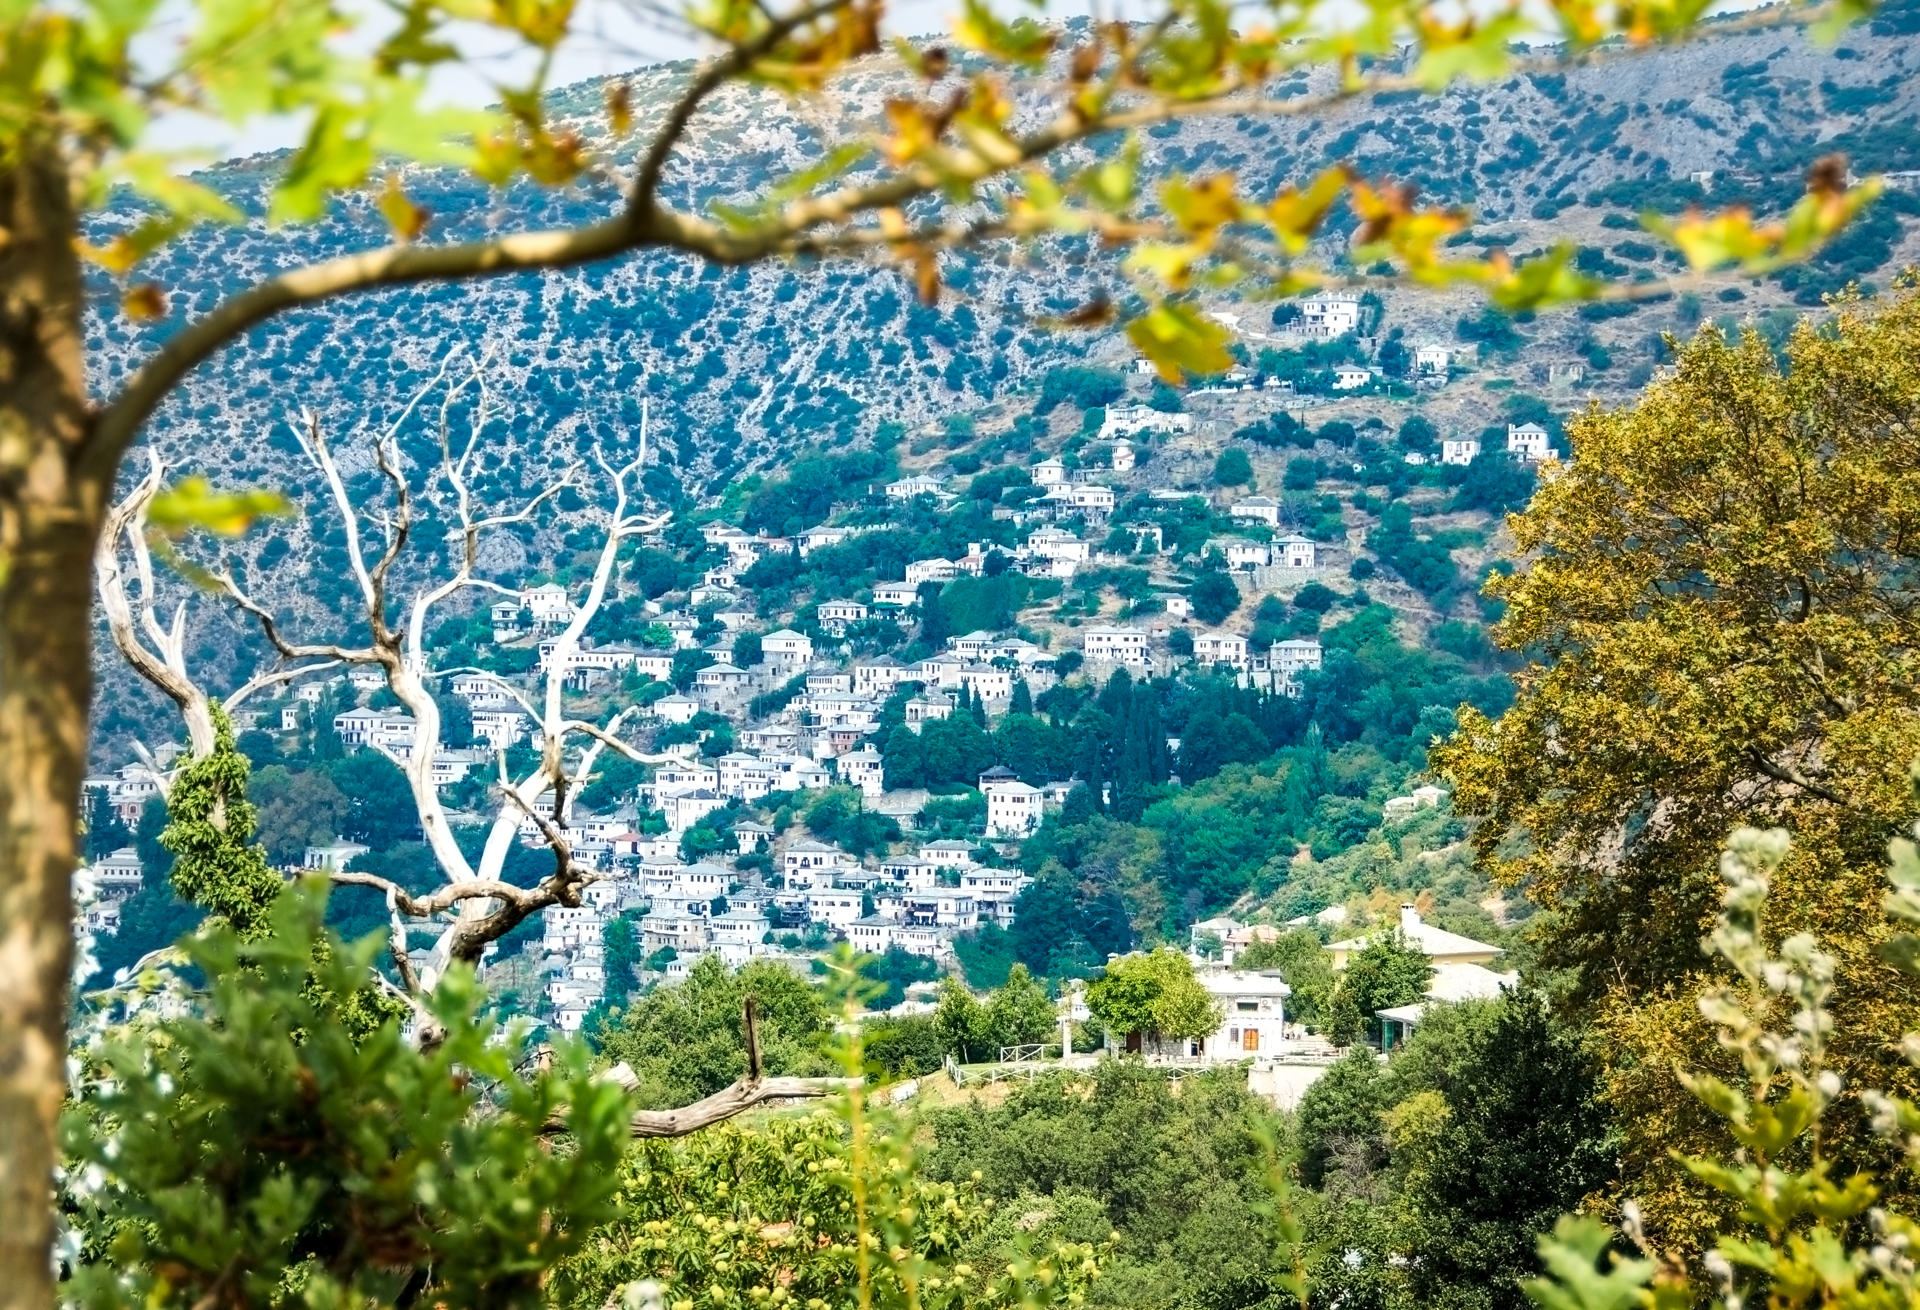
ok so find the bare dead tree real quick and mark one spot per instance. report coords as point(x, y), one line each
point(156, 650)
point(476, 906)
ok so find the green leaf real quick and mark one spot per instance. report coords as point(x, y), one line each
point(1577, 1276)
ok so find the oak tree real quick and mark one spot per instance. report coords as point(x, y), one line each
point(1718, 600)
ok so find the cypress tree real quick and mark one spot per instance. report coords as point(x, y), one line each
point(1022, 698)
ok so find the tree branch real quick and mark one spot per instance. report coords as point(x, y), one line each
point(716, 72)
point(444, 899)
point(1781, 773)
point(735, 1099)
point(165, 664)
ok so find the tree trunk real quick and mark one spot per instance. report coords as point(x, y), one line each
point(50, 512)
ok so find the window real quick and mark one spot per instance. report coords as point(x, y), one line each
point(1247, 1007)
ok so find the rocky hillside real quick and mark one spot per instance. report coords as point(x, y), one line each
point(746, 369)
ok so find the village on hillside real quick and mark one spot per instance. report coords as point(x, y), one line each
point(745, 719)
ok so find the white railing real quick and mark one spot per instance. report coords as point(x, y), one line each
point(1026, 1051)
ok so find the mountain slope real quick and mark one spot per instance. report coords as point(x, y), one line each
point(747, 369)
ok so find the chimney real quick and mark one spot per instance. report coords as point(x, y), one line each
point(1409, 918)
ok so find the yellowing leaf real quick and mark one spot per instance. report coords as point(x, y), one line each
point(193, 503)
point(1171, 264)
point(620, 107)
point(1177, 338)
point(146, 301)
point(1022, 41)
point(407, 219)
point(1296, 214)
point(1110, 184)
point(1202, 207)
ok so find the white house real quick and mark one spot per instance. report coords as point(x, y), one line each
point(684, 810)
point(1328, 314)
point(1049, 473)
point(1437, 944)
point(863, 768)
point(834, 907)
point(360, 727)
point(1254, 1014)
point(1294, 655)
point(1014, 810)
point(500, 728)
point(738, 927)
point(950, 854)
point(1529, 442)
point(878, 675)
point(985, 682)
point(1256, 509)
point(908, 488)
point(871, 935)
point(1294, 551)
point(814, 538)
point(787, 649)
point(928, 570)
point(807, 856)
point(1451, 982)
point(925, 709)
point(896, 595)
point(836, 615)
point(1006, 883)
point(505, 616)
point(333, 858)
point(1459, 450)
point(1052, 543)
point(941, 907)
point(1221, 648)
point(1087, 496)
point(1432, 361)
point(1242, 555)
point(721, 679)
point(1351, 377)
point(548, 604)
point(676, 708)
point(1123, 456)
point(1119, 644)
point(1132, 420)
point(118, 876)
point(1421, 798)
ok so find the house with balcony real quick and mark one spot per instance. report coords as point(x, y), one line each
point(1229, 648)
point(1294, 551)
point(836, 615)
point(1256, 509)
point(1118, 645)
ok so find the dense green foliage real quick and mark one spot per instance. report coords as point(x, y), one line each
point(1153, 996)
point(687, 1040)
point(774, 1217)
point(1447, 1162)
point(1177, 1176)
point(250, 1147)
